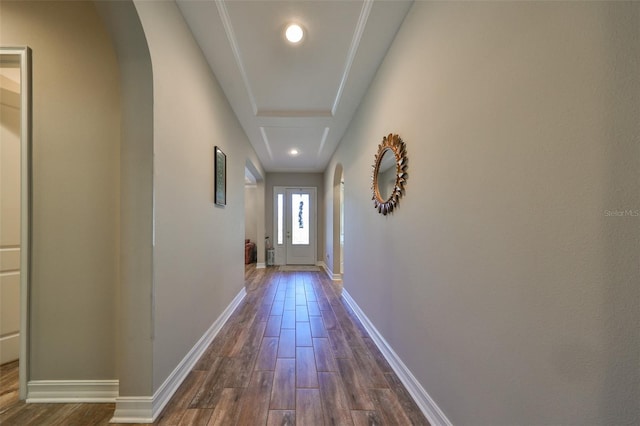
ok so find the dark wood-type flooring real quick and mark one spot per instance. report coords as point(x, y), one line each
point(293, 353)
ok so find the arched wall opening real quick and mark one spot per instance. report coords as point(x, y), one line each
point(337, 265)
point(87, 104)
point(134, 346)
point(254, 210)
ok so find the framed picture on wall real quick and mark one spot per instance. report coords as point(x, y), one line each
point(220, 177)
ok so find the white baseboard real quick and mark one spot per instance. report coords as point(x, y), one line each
point(330, 274)
point(261, 265)
point(72, 391)
point(134, 409)
point(426, 404)
point(147, 409)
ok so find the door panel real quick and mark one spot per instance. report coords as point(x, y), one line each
point(300, 209)
point(9, 316)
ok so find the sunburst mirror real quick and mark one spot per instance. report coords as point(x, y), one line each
point(389, 173)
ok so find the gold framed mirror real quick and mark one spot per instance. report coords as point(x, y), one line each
point(389, 173)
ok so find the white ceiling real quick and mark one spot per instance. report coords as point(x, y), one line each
point(294, 96)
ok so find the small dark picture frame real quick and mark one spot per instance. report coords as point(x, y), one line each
point(220, 177)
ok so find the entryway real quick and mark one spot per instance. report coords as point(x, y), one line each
point(295, 225)
point(335, 257)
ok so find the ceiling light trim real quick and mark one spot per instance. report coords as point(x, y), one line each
point(322, 142)
point(266, 142)
point(276, 113)
point(294, 122)
point(353, 49)
point(228, 29)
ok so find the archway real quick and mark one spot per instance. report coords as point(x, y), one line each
point(254, 210)
point(337, 266)
point(135, 315)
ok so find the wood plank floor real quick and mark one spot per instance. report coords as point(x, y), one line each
point(293, 353)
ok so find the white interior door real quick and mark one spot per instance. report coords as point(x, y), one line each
point(10, 213)
point(300, 212)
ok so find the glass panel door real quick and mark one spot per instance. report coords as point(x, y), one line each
point(300, 226)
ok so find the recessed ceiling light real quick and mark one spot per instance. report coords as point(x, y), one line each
point(293, 152)
point(294, 33)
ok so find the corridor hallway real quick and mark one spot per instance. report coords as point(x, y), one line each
point(293, 353)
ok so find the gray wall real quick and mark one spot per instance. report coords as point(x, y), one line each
point(134, 349)
point(75, 230)
point(199, 247)
point(501, 280)
point(293, 180)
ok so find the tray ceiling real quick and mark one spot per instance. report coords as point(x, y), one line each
point(294, 96)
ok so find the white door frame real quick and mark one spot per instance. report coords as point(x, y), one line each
point(22, 55)
point(280, 246)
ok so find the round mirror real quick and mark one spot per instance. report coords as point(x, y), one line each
point(389, 173)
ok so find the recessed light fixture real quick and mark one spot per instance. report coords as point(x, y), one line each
point(294, 33)
point(294, 152)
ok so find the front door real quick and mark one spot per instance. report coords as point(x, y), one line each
point(300, 226)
